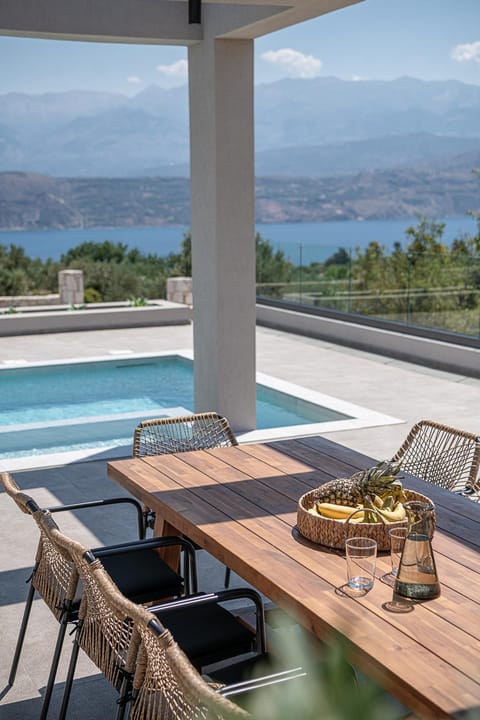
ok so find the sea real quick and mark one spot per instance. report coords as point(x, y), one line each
point(301, 243)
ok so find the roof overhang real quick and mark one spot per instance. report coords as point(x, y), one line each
point(163, 22)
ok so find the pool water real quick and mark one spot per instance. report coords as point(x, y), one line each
point(75, 406)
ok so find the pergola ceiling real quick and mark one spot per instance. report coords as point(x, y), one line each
point(155, 21)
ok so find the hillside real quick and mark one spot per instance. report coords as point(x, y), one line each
point(30, 201)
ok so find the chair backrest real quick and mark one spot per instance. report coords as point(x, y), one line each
point(105, 632)
point(54, 577)
point(199, 431)
point(166, 685)
point(441, 455)
point(125, 640)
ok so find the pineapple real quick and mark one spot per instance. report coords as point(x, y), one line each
point(352, 491)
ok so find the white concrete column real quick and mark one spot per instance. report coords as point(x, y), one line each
point(223, 227)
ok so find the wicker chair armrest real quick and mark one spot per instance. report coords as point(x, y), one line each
point(190, 562)
point(105, 502)
point(225, 596)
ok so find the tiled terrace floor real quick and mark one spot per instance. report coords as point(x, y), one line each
point(405, 391)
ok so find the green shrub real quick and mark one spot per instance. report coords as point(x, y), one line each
point(92, 296)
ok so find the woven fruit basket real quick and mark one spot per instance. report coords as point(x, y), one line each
point(333, 533)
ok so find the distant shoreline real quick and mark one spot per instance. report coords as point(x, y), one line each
point(109, 228)
point(29, 201)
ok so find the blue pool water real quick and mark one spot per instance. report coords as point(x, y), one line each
point(78, 406)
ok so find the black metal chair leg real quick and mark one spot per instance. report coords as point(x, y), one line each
point(21, 634)
point(125, 695)
point(228, 572)
point(69, 681)
point(54, 667)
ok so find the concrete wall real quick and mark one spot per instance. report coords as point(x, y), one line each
point(94, 318)
point(423, 351)
point(8, 301)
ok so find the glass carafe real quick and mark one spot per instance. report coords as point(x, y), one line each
point(417, 577)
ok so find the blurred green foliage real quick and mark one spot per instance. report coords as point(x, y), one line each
point(332, 689)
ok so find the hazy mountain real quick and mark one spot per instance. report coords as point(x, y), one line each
point(322, 126)
point(34, 113)
point(329, 110)
point(349, 158)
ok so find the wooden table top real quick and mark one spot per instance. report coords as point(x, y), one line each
point(240, 505)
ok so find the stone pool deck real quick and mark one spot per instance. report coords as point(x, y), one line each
point(406, 391)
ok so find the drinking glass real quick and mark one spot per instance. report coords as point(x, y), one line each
point(361, 555)
point(397, 541)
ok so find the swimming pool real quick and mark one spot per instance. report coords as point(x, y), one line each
point(89, 408)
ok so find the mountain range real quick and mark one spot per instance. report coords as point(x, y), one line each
point(321, 127)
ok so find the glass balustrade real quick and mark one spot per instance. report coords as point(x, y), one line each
point(437, 290)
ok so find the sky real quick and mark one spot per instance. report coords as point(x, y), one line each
point(374, 40)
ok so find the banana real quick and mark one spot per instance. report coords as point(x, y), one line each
point(388, 503)
point(372, 510)
point(338, 512)
point(396, 515)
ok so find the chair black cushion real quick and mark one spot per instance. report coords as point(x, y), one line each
point(143, 576)
point(207, 633)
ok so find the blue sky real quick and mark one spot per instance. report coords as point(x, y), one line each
point(376, 39)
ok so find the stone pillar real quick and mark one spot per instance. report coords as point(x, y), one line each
point(179, 290)
point(70, 287)
point(223, 227)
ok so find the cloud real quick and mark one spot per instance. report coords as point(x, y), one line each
point(466, 52)
point(295, 63)
point(177, 70)
point(134, 79)
point(359, 78)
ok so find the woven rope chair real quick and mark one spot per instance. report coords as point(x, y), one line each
point(139, 656)
point(113, 650)
point(55, 577)
point(442, 455)
point(111, 629)
point(199, 431)
point(104, 629)
point(166, 685)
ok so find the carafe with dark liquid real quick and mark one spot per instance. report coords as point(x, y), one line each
point(417, 577)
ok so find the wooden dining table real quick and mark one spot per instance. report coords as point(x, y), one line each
point(240, 504)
